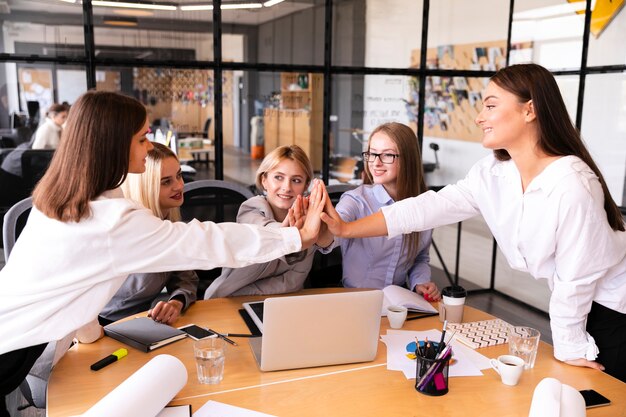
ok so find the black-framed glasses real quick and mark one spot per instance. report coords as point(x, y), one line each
point(385, 158)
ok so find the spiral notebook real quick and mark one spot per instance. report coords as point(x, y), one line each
point(478, 334)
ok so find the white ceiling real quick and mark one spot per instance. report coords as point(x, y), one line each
point(246, 17)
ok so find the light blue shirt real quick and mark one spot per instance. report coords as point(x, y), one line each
point(378, 262)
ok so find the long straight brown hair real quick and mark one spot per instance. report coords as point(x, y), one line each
point(557, 134)
point(410, 181)
point(92, 157)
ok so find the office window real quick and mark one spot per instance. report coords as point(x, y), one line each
point(467, 35)
point(548, 33)
point(178, 100)
point(288, 32)
point(31, 28)
point(604, 128)
point(606, 41)
point(377, 33)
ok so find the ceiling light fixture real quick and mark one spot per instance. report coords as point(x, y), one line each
point(196, 7)
point(120, 21)
point(231, 6)
point(129, 5)
point(241, 6)
point(271, 3)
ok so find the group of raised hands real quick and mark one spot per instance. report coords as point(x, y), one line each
point(319, 223)
point(315, 217)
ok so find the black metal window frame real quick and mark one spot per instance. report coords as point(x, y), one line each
point(90, 61)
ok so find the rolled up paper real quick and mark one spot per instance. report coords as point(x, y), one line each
point(146, 392)
point(554, 399)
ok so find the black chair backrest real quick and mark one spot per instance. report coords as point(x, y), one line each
point(35, 163)
point(327, 269)
point(213, 200)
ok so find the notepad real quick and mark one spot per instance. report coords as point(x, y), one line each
point(396, 295)
point(143, 333)
point(477, 334)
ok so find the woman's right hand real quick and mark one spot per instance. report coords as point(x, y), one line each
point(311, 228)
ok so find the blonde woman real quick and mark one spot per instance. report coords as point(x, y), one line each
point(87, 238)
point(159, 188)
point(283, 177)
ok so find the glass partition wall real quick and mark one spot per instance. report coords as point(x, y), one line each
point(245, 78)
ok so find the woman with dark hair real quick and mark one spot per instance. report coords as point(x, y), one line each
point(548, 207)
point(48, 134)
point(83, 238)
point(393, 167)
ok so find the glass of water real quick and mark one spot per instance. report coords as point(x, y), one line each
point(524, 342)
point(209, 353)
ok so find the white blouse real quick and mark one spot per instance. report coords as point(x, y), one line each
point(557, 229)
point(61, 274)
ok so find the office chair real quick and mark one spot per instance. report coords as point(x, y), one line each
point(327, 270)
point(212, 200)
point(35, 163)
point(205, 129)
point(14, 222)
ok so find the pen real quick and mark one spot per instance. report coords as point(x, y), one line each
point(238, 335)
point(443, 334)
point(115, 356)
point(221, 336)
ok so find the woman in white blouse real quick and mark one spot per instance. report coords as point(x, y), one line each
point(83, 238)
point(548, 207)
point(48, 134)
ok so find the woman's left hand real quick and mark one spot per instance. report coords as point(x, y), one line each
point(166, 312)
point(585, 363)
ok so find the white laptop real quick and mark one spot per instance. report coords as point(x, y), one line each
point(317, 330)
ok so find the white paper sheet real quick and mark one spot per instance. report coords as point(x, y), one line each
point(135, 397)
point(397, 340)
point(215, 409)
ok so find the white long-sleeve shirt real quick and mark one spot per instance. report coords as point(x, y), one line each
point(61, 274)
point(47, 135)
point(557, 229)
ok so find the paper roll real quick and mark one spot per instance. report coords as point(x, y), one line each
point(146, 392)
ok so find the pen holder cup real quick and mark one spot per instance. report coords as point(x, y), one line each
point(431, 377)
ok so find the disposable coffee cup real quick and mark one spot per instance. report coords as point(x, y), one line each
point(452, 304)
point(453, 295)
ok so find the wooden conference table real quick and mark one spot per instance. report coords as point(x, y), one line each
point(365, 389)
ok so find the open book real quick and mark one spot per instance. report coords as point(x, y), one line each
point(395, 295)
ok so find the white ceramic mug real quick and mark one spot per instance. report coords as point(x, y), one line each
point(396, 316)
point(509, 367)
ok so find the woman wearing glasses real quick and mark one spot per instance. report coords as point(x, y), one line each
point(547, 205)
point(394, 172)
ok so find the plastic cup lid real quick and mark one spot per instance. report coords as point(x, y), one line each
point(455, 291)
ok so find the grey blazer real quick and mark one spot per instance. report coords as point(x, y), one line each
point(282, 275)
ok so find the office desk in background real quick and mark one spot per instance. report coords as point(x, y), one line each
point(362, 389)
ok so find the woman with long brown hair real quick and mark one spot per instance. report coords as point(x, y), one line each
point(393, 166)
point(548, 207)
point(83, 238)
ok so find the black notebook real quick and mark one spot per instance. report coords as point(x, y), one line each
point(143, 333)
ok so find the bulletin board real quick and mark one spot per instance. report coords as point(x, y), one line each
point(36, 85)
point(452, 103)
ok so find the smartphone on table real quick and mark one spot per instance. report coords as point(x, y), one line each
point(196, 332)
point(594, 398)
